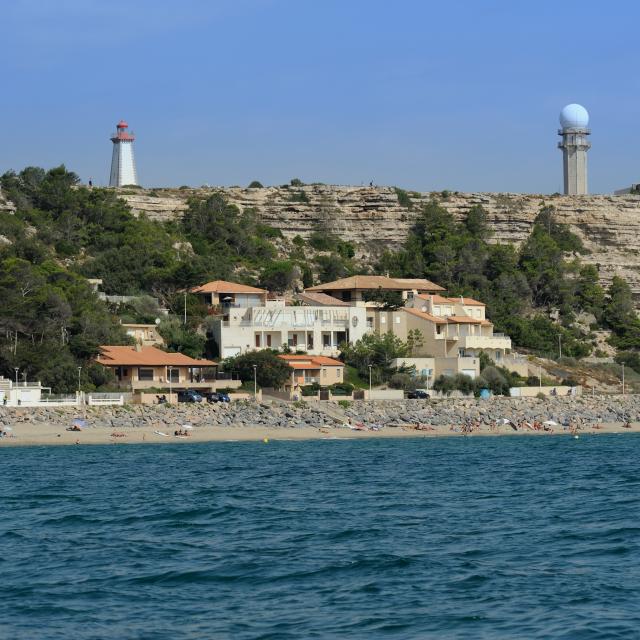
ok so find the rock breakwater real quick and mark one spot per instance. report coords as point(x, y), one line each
point(588, 410)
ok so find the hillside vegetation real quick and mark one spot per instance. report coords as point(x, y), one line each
point(51, 322)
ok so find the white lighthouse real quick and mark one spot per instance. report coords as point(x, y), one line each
point(123, 166)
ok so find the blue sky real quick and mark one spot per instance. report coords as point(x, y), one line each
point(460, 95)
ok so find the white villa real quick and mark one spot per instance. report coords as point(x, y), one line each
point(317, 330)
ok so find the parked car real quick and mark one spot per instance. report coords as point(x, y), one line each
point(418, 394)
point(189, 395)
point(214, 396)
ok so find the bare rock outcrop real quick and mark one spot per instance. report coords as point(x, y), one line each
point(374, 219)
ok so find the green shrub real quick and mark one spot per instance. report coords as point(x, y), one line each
point(402, 381)
point(323, 241)
point(341, 389)
point(444, 384)
point(298, 196)
point(310, 389)
point(345, 404)
point(404, 200)
point(256, 185)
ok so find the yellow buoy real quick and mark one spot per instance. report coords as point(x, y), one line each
point(265, 440)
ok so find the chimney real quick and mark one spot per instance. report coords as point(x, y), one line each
point(138, 347)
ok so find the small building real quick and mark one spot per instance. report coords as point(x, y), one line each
point(145, 334)
point(221, 296)
point(313, 370)
point(432, 368)
point(359, 288)
point(139, 368)
point(21, 394)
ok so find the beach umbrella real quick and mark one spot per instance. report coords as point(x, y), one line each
point(78, 422)
point(187, 426)
point(8, 428)
point(551, 423)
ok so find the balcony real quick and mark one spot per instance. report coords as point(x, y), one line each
point(496, 341)
point(158, 384)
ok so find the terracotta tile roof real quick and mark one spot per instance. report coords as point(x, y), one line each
point(222, 286)
point(442, 300)
point(466, 320)
point(420, 284)
point(377, 282)
point(321, 299)
point(468, 301)
point(306, 361)
point(116, 356)
point(303, 365)
point(437, 299)
point(425, 316)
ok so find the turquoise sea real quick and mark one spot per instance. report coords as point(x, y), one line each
point(527, 537)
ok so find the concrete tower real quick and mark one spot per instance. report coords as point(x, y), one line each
point(574, 120)
point(123, 166)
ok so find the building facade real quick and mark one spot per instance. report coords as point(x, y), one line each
point(317, 330)
point(138, 368)
point(307, 370)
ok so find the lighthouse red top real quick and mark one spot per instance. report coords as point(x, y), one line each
point(122, 135)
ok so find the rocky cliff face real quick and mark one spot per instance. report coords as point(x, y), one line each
point(5, 205)
point(373, 218)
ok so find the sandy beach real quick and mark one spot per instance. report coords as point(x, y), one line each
point(46, 434)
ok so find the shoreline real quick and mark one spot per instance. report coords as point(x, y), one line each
point(34, 435)
point(278, 420)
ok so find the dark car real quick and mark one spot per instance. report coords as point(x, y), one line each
point(417, 394)
point(189, 395)
point(218, 397)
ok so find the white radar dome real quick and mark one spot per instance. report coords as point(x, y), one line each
point(574, 116)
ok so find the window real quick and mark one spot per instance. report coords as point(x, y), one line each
point(268, 340)
point(383, 320)
point(174, 374)
point(257, 340)
point(145, 374)
point(397, 319)
point(326, 340)
point(310, 341)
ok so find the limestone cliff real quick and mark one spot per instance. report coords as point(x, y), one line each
point(373, 218)
point(5, 205)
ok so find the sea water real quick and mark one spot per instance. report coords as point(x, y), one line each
point(522, 537)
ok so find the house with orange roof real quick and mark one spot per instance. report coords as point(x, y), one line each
point(222, 295)
point(143, 367)
point(313, 369)
point(467, 331)
point(358, 288)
